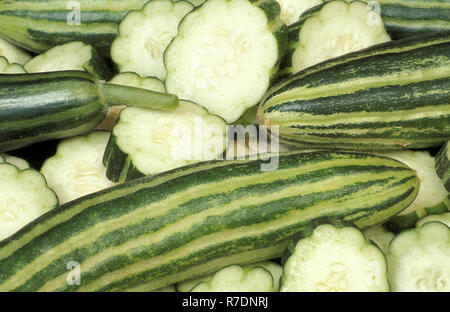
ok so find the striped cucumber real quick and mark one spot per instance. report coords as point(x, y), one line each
point(443, 165)
point(45, 106)
point(40, 25)
point(191, 221)
point(391, 96)
point(405, 18)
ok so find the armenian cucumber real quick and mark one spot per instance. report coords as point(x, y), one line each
point(443, 165)
point(391, 96)
point(159, 230)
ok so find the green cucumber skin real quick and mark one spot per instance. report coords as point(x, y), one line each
point(37, 26)
point(406, 18)
point(45, 106)
point(443, 166)
point(379, 64)
point(199, 215)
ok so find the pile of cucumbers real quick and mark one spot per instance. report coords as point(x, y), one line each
point(119, 154)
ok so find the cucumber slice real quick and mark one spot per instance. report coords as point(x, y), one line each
point(335, 259)
point(380, 236)
point(196, 2)
point(16, 161)
point(291, 10)
point(443, 218)
point(70, 56)
point(432, 198)
point(77, 169)
point(332, 30)
point(236, 278)
point(24, 196)
point(148, 142)
point(130, 80)
point(149, 32)
point(225, 55)
point(274, 268)
point(419, 259)
point(8, 68)
point(13, 53)
point(443, 165)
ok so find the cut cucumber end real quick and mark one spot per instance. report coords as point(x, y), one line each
point(335, 259)
point(10, 68)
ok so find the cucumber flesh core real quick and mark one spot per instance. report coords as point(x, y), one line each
point(334, 259)
point(12, 53)
point(432, 196)
point(292, 9)
point(148, 32)
point(16, 161)
point(235, 278)
point(131, 80)
point(7, 68)
point(339, 28)
point(159, 141)
point(222, 58)
point(274, 268)
point(77, 169)
point(24, 196)
point(419, 259)
point(443, 218)
point(380, 237)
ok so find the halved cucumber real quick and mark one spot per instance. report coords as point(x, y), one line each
point(335, 259)
point(419, 259)
point(443, 165)
point(331, 30)
point(10, 68)
point(225, 55)
point(16, 161)
point(380, 236)
point(24, 196)
point(70, 56)
point(433, 198)
point(144, 36)
point(77, 169)
point(13, 53)
point(131, 80)
point(443, 218)
point(274, 268)
point(146, 142)
point(291, 10)
point(236, 278)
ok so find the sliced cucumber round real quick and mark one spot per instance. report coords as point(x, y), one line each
point(24, 196)
point(335, 259)
point(443, 218)
point(274, 268)
point(443, 165)
point(144, 36)
point(225, 55)
point(236, 278)
point(332, 30)
point(148, 142)
point(10, 68)
point(77, 169)
point(131, 80)
point(16, 161)
point(71, 56)
point(432, 198)
point(291, 10)
point(419, 259)
point(13, 53)
point(380, 236)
